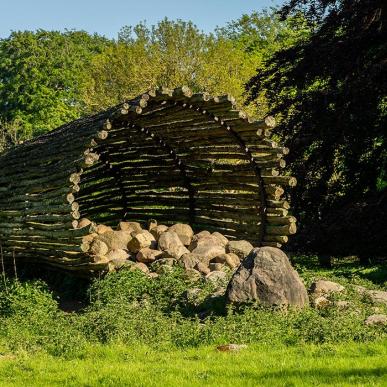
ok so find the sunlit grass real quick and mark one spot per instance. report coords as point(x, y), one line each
point(117, 365)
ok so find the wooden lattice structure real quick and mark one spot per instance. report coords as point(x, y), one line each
point(169, 155)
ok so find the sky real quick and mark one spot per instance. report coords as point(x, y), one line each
point(106, 17)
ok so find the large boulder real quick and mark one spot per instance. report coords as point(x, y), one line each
point(184, 231)
point(170, 242)
point(240, 248)
point(266, 276)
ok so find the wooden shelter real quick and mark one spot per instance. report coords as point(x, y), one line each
point(169, 155)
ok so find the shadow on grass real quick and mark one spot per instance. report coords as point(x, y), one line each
point(329, 375)
point(345, 267)
point(378, 275)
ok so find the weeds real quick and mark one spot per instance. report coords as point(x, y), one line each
point(129, 308)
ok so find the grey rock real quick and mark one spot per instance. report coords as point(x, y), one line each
point(266, 276)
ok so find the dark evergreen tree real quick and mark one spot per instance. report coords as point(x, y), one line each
point(330, 93)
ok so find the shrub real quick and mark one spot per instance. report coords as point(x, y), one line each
point(130, 308)
point(30, 320)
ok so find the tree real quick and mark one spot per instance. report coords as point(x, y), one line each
point(259, 35)
point(330, 93)
point(41, 74)
point(172, 53)
point(263, 33)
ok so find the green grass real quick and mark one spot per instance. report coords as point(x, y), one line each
point(118, 365)
point(137, 331)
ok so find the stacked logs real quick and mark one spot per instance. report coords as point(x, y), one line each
point(167, 154)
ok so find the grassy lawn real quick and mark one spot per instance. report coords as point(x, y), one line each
point(163, 342)
point(114, 365)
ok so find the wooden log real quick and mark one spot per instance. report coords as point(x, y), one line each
point(282, 180)
point(276, 238)
point(281, 230)
point(280, 220)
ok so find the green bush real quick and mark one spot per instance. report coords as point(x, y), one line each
point(129, 308)
point(30, 320)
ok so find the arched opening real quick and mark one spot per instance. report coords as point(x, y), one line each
point(168, 155)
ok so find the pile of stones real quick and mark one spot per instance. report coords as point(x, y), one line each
point(240, 272)
point(157, 248)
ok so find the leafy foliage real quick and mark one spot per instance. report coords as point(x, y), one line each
point(171, 53)
point(330, 94)
point(30, 320)
point(41, 75)
point(127, 307)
